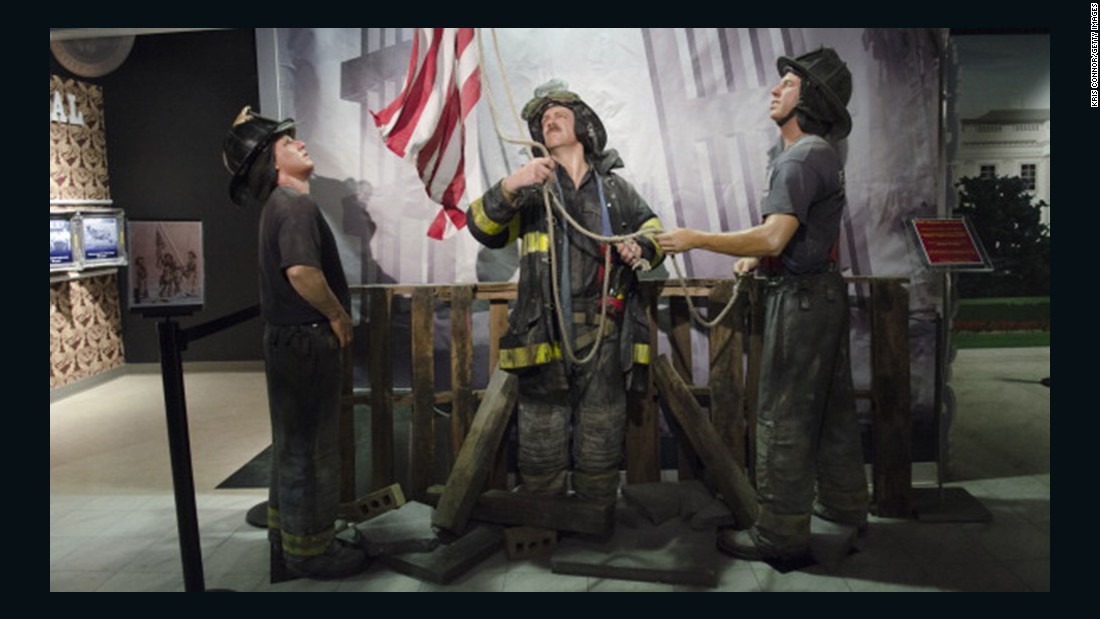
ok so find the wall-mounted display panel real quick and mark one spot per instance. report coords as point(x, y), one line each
point(64, 246)
point(102, 238)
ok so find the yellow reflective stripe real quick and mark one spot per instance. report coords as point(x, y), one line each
point(535, 241)
point(527, 356)
point(301, 545)
point(641, 353)
point(653, 226)
point(307, 545)
point(483, 221)
point(513, 229)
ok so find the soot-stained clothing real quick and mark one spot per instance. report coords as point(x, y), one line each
point(294, 232)
point(303, 362)
point(807, 181)
point(555, 395)
point(808, 435)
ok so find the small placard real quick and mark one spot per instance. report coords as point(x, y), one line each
point(949, 242)
point(167, 269)
point(63, 244)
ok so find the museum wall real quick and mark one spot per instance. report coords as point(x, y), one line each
point(165, 111)
point(85, 321)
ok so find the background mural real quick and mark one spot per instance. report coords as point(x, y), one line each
point(686, 109)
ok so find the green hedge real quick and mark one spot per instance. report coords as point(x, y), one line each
point(1017, 339)
point(1007, 314)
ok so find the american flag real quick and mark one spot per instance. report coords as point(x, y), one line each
point(424, 124)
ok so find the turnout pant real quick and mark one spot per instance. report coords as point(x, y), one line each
point(303, 368)
point(807, 430)
point(591, 416)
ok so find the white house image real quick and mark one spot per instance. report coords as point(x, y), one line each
point(1010, 142)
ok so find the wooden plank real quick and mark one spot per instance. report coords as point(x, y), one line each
point(724, 355)
point(672, 552)
point(739, 431)
point(448, 561)
point(379, 368)
point(675, 575)
point(422, 456)
point(496, 290)
point(462, 359)
point(727, 475)
point(347, 428)
point(755, 321)
point(498, 325)
point(892, 417)
point(696, 287)
point(471, 468)
point(680, 339)
point(643, 447)
point(545, 512)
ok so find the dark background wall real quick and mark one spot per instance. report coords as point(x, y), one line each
point(167, 109)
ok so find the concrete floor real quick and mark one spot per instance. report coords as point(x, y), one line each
point(113, 525)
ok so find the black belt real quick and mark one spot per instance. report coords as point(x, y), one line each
point(827, 267)
point(304, 325)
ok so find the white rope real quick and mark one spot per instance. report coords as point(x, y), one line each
point(738, 283)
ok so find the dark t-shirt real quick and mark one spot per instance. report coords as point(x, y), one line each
point(807, 181)
point(293, 232)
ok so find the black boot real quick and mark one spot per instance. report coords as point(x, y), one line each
point(339, 560)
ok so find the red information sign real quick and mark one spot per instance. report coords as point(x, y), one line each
point(948, 242)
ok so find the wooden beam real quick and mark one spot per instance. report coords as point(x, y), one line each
point(676, 575)
point(448, 561)
point(471, 468)
point(498, 325)
point(347, 428)
point(891, 428)
point(725, 364)
point(380, 370)
point(462, 358)
point(727, 475)
point(422, 456)
point(680, 339)
point(544, 512)
point(755, 321)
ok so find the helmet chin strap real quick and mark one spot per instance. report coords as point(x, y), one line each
point(790, 115)
point(788, 118)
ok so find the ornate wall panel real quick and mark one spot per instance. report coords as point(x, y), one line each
point(78, 143)
point(85, 316)
point(85, 329)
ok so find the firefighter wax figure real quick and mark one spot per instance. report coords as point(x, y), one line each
point(807, 428)
point(556, 395)
point(304, 302)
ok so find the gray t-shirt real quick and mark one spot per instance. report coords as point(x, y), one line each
point(807, 181)
point(294, 232)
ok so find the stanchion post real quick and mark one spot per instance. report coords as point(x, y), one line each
point(172, 342)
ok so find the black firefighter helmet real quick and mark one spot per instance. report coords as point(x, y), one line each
point(826, 88)
point(248, 143)
point(587, 124)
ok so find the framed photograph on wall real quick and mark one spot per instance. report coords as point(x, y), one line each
point(167, 270)
point(64, 245)
point(102, 238)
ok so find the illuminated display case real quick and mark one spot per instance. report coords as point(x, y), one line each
point(64, 245)
point(85, 239)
